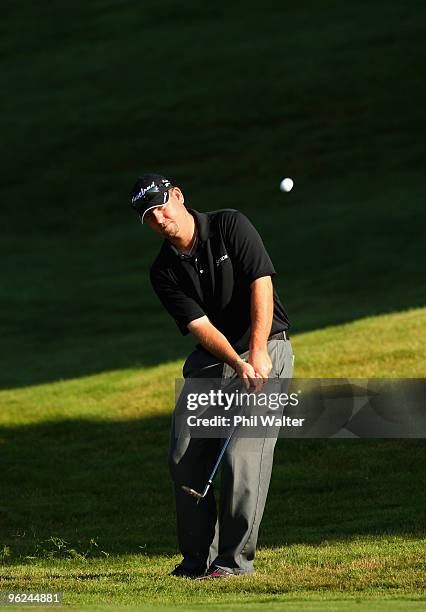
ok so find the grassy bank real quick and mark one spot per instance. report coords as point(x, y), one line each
point(87, 504)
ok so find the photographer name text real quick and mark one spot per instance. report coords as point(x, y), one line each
point(244, 421)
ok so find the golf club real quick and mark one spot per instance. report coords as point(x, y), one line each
point(199, 496)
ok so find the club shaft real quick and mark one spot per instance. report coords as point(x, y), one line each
point(219, 459)
point(216, 465)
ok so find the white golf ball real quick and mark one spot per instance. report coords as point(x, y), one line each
point(286, 184)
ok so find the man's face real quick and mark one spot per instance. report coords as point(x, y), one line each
point(167, 219)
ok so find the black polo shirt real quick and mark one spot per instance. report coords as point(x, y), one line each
point(216, 280)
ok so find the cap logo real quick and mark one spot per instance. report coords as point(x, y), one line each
point(144, 190)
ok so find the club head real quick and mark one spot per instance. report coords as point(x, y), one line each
point(198, 496)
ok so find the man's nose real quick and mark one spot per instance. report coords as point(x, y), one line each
point(158, 215)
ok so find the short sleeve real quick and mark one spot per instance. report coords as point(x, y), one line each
point(181, 307)
point(247, 249)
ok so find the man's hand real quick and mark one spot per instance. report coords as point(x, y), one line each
point(215, 342)
point(261, 362)
point(253, 372)
point(247, 373)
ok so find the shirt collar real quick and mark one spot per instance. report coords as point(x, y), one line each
point(203, 224)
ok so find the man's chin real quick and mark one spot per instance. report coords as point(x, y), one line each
point(170, 230)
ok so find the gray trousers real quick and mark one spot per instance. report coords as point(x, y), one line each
point(226, 539)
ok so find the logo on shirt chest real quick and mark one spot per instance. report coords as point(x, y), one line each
point(221, 259)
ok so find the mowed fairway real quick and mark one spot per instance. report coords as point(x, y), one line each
point(87, 503)
point(225, 100)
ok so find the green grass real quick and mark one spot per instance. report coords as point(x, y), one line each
point(363, 570)
point(87, 504)
point(389, 346)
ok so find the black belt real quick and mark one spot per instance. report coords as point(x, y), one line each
point(282, 335)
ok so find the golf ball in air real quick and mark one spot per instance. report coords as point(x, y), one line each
point(286, 184)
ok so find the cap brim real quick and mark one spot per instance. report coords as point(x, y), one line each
point(159, 200)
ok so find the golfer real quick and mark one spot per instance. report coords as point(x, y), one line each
point(213, 275)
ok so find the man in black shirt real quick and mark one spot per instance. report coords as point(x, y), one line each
point(213, 275)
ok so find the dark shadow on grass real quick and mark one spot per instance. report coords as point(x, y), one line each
point(347, 242)
point(84, 488)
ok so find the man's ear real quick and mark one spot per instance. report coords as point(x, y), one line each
point(179, 195)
